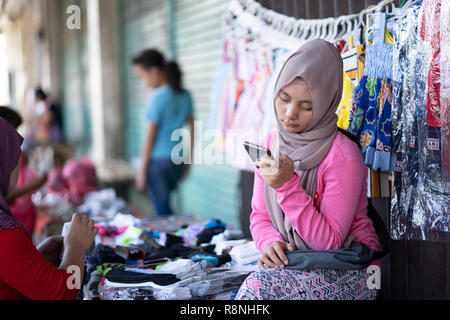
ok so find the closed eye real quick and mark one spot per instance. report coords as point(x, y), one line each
point(306, 105)
point(284, 98)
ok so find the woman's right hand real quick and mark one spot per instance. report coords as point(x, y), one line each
point(81, 233)
point(274, 256)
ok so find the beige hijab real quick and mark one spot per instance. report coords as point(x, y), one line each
point(319, 63)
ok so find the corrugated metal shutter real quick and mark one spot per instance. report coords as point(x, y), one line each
point(77, 124)
point(144, 25)
point(211, 190)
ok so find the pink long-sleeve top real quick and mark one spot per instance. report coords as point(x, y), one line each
point(338, 209)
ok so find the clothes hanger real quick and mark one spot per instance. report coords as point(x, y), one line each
point(327, 28)
point(316, 28)
point(304, 30)
point(296, 29)
point(311, 31)
point(348, 33)
point(323, 29)
point(347, 27)
point(332, 35)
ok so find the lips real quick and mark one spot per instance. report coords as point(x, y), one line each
point(290, 125)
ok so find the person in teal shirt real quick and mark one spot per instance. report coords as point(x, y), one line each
point(168, 109)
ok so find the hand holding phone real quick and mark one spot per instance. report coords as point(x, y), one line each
point(255, 151)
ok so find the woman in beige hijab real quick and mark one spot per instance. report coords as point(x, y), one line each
point(312, 194)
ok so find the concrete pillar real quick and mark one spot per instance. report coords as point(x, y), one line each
point(52, 24)
point(104, 79)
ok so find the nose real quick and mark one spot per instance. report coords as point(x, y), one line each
point(291, 112)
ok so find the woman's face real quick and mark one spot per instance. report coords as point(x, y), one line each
point(294, 106)
point(150, 76)
point(13, 179)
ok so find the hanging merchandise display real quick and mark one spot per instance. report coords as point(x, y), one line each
point(370, 118)
point(445, 87)
point(256, 42)
point(395, 97)
point(420, 205)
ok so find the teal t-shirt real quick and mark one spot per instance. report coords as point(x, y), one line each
point(170, 110)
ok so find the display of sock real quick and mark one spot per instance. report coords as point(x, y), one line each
point(183, 268)
point(215, 223)
point(127, 293)
point(130, 277)
point(103, 254)
point(206, 235)
point(216, 261)
point(104, 268)
point(245, 253)
point(130, 253)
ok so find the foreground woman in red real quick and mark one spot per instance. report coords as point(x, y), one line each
point(27, 272)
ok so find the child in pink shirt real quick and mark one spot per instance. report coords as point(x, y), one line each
point(339, 207)
point(312, 193)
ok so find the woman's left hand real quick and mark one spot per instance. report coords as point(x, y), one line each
point(273, 175)
point(51, 248)
point(141, 180)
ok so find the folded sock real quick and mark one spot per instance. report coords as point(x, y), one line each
point(233, 234)
point(168, 240)
point(215, 223)
point(127, 293)
point(104, 254)
point(104, 268)
point(130, 253)
point(216, 261)
point(247, 260)
point(206, 235)
point(183, 268)
point(244, 250)
point(130, 277)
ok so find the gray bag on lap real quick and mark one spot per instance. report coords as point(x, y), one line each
point(357, 256)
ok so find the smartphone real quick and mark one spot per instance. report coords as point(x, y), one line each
point(255, 152)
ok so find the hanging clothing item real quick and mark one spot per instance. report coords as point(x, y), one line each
point(445, 88)
point(353, 61)
point(248, 114)
point(430, 33)
point(270, 122)
point(422, 186)
point(372, 99)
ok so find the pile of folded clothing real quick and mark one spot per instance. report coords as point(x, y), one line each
point(201, 260)
point(217, 283)
point(102, 204)
point(139, 284)
point(245, 253)
point(57, 205)
point(76, 179)
point(183, 269)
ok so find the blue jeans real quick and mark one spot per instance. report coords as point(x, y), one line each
point(162, 177)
